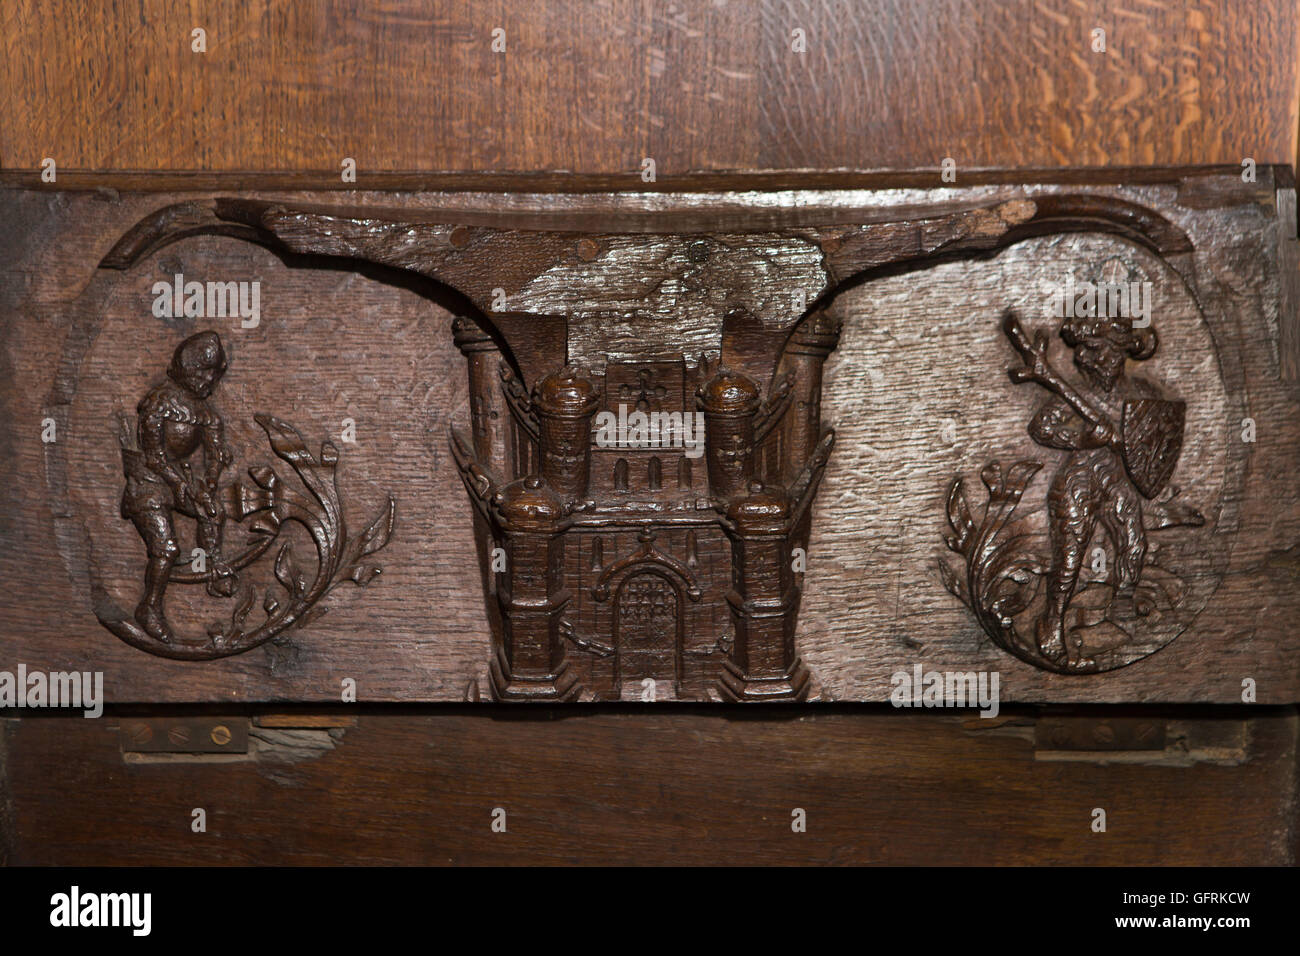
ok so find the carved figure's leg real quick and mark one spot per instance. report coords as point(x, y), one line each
point(155, 527)
point(1072, 520)
point(209, 535)
point(221, 583)
point(1123, 521)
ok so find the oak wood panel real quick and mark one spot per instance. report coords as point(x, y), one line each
point(868, 612)
point(730, 190)
point(596, 87)
point(593, 88)
point(656, 788)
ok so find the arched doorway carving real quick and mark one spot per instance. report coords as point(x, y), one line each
point(648, 627)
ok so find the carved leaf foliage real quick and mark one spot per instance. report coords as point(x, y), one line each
point(288, 573)
point(313, 613)
point(379, 531)
point(363, 574)
point(247, 597)
point(959, 517)
point(285, 440)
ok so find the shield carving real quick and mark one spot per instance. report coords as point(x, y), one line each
point(1152, 434)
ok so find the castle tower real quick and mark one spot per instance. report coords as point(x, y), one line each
point(490, 425)
point(488, 413)
point(565, 403)
point(530, 663)
point(805, 353)
point(764, 602)
point(729, 402)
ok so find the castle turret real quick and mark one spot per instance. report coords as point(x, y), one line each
point(530, 663)
point(729, 402)
point(764, 601)
point(565, 403)
point(805, 352)
point(488, 413)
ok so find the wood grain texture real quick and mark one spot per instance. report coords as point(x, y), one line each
point(689, 787)
point(372, 346)
point(591, 89)
point(597, 87)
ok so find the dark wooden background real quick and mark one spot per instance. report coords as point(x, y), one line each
point(595, 88)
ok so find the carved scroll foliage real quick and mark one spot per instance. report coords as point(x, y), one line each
point(294, 599)
point(1002, 576)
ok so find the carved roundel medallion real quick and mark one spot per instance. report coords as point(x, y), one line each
point(1092, 544)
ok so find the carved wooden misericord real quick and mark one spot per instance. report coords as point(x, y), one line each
point(710, 447)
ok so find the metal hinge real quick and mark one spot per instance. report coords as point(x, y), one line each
point(276, 737)
point(1141, 740)
point(184, 735)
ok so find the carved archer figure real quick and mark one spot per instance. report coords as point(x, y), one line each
point(175, 420)
point(1124, 439)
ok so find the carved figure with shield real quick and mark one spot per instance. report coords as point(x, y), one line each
point(1124, 438)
